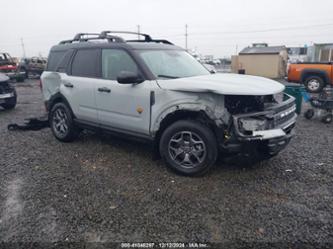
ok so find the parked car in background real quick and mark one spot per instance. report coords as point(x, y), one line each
point(32, 66)
point(314, 76)
point(153, 90)
point(9, 67)
point(7, 93)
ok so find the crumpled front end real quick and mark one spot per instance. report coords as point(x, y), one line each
point(260, 122)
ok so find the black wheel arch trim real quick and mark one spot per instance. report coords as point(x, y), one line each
point(56, 98)
point(314, 72)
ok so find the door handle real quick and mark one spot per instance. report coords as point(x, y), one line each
point(104, 89)
point(68, 84)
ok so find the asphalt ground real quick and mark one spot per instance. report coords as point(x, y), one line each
point(104, 189)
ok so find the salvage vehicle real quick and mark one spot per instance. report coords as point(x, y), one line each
point(153, 90)
point(32, 66)
point(314, 76)
point(9, 67)
point(7, 93)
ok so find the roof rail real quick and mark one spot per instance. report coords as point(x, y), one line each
point(105, 35)
point(147, 38)
point(84, 37)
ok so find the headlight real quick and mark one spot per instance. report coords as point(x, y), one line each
point(253, 124)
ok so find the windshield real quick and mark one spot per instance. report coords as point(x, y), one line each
point(172, 64)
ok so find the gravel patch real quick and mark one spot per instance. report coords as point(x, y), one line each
point(103, 189)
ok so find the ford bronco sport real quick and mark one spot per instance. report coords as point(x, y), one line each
point(154, 90)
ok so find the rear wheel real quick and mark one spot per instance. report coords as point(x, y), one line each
point(189, 147)
point(314, 84)
point(61, 123)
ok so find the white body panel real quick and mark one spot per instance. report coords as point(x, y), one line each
point(227, 84)
point(126, 107)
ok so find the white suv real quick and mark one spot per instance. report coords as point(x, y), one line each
point(156, 91)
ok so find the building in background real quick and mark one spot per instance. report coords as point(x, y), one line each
point(321, 52)
point(261, 60)
point(298, 54)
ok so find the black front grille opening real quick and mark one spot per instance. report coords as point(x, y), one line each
point(239, 104)
point(289, 129)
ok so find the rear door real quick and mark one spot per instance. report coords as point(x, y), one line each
point(78, 85)
point(124, 107)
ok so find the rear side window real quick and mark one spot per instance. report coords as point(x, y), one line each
point(54, 59)
point(85, 63)
point(63, 65)
point(114, 61)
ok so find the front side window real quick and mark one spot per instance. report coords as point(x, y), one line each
point(85, 63)
point(114, 61)
point(172, 64)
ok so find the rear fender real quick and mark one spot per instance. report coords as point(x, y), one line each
point(314, 72)
point(51, 82)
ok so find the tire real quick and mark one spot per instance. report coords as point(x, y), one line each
point(62, 124)
point(188, 147)
point(327, 119)
point(314, 84)
point(309, 114)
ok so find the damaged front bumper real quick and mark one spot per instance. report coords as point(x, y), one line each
point(270, 129)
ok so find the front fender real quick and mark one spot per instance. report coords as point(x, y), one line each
point(211, 104)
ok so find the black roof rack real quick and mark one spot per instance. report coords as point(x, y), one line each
point(84, 37)
point(147, 38)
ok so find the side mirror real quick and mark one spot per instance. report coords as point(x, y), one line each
point(126, 77)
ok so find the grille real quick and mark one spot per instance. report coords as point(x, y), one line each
point(283, 117)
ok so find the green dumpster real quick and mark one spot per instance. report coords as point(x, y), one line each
point(296, 90)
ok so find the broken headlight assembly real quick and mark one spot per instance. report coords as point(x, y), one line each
point(248, 125)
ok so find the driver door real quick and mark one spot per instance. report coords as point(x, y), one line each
point(123, 107)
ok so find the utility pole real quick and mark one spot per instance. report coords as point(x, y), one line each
point(22, 44)
point(186, 35)
point(138, 26)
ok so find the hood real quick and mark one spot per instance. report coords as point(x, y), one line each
point(223, 83)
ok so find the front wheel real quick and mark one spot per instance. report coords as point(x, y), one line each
point(61, 123)
point(189, 147)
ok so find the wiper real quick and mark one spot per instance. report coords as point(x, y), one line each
point(167, 76)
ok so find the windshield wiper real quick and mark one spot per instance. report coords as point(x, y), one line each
point(167, 76)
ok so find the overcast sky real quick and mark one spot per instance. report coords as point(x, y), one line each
point(217, 27)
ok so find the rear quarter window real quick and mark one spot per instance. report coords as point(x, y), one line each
point(54, 60)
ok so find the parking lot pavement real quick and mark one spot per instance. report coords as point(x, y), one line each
point(100, 188)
